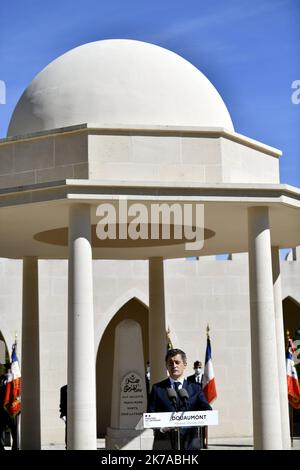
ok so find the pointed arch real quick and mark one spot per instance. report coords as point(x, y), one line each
point(6, 334)
point(291, 314)
point(119, 302)
point(4, 350)
point(292, 299)
point(133, 308)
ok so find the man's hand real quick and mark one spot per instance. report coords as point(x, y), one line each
point(164, 430)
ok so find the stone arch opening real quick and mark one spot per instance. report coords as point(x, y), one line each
point(291, 315)
point(4, 354)
point(134, 309)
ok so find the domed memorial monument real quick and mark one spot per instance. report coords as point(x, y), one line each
point(131, 126)
point(119, 82)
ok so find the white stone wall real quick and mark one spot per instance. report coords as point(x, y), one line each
point(139, 158)
point(197, 292)
point(48, 159)
point(243, 164)
point(198, 158)
point(11, 301)
point(160, 154)
point(215, 292)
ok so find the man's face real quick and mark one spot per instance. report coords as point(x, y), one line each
point(176, 367)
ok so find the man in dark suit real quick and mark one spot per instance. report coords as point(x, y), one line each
point(197, 377)
point(63, 407)
point(159, 401)
point(3, 413)
point(147, 379)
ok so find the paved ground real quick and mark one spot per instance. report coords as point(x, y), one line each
point(240, 444)
point(214, 444)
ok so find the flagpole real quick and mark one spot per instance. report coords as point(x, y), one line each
point(17, 418)
point(204, 430)
point(290, 407)
point(292, 426)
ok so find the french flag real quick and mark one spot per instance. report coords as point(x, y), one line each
point(292, 377)
point(209, 383)
point(12, 398)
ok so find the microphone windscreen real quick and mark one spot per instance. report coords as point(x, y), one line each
point(183, 394)
point(171, 393)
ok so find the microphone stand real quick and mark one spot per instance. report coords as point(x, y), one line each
point(173, 397)
point(178, 439)
point(184, 397)
point(177, 430)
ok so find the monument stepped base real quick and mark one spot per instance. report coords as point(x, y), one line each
point(128, 439)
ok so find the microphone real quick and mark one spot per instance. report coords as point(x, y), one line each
point(172, 396)
point(184, 396)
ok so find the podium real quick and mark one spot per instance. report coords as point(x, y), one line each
point(180, 419)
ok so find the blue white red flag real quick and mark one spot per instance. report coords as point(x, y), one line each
point(12, 397)
point(292, 377)
point(209, 383)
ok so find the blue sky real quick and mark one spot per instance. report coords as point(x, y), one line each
point(249, 49)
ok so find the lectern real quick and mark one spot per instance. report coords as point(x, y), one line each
point(177, 420)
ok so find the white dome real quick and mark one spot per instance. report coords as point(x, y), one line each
point(115, 82)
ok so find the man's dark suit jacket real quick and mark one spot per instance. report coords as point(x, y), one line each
point(63, 401)
point(192, 379)
point(160, 402)
point(63, 406)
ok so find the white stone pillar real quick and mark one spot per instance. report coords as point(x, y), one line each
point(157, 321)
point(265, 387)
point(81, 419)
point(30, 367)
point(284, 405)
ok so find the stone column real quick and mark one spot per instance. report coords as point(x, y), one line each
point(81, 420)
point(265, 387)
point(284, 405)
point(157, 320)
point(30, 416)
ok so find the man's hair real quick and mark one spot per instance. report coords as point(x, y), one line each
point(174, 352)
point(197, 364)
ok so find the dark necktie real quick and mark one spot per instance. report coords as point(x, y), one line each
point(176, 386)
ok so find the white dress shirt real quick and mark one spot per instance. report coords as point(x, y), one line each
point(180, 381)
